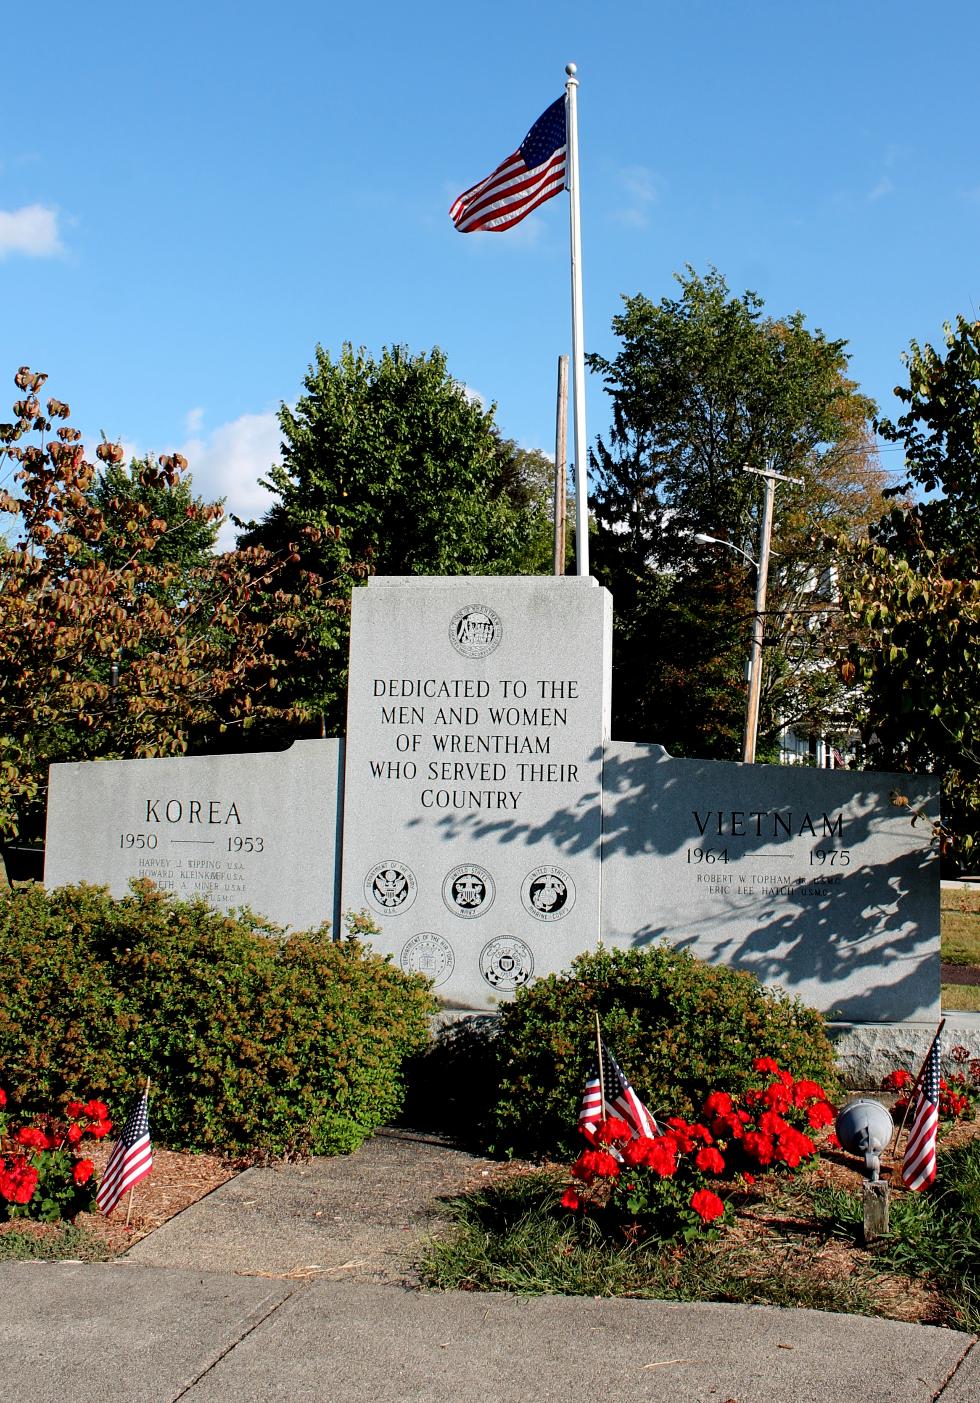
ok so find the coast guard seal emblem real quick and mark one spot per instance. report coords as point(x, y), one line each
point(506, 963)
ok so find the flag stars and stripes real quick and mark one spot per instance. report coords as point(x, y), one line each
point(919, 1164)
point(613, 1096)
point(533, 174)
point(131, 1159)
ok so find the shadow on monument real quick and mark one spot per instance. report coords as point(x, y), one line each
point(866, 932)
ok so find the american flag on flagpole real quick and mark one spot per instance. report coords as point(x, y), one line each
point(131, 1159)
point(609, 1094)
point(533, 174)
point(919, 1164)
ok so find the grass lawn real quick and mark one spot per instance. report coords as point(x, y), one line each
point(960, 925)
point(962, 997)
point(795, 1241)
point(22, 1241)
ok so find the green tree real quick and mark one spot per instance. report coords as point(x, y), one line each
point(113, 640)
point(704, 385)
point(390, 467)
point(913, 585)
point(122, 495)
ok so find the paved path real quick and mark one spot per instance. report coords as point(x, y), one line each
point(286, 1285)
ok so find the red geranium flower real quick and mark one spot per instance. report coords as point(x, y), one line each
point(17, 1184)
point(635, 1152)
point(749, 1179)
point(819, 1115)
point(83, 1171)
point(778, 1097)
point(74, 1109)
point(759, 1147)
point(807, 1091)
point(3, 1098)
point(793, 1147)
point(95, 1110)
point(74, 1134)
point(570, 1199)
point(707, 1206)
point(580, 1170)
point(612, 1129)
point(766, 1064)
point(662, 1156)
point(772, 1124)
point(832, 1141)
point(896, 1080)
point(681, 1132)
point(719, 1103)
point(595, 1163)
point(100, 1129)
point(727, 1127)
point(710, 1161)
point(35, 1138)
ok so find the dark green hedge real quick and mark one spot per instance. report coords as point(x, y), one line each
point(255, 1043)
point(679, 1029)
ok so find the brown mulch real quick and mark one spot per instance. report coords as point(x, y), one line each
point(174, 1183)
point(959, 974)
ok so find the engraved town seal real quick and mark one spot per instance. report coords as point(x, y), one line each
point(429, 954)
point(548, 893)
point(506, 963)
point(390, 887)
point(475, 631)
point(468, 890)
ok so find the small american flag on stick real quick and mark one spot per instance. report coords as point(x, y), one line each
point(919, 1164)
point(131, 1159)
point(608, 1093)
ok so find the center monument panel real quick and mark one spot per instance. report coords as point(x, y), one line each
point(477, 711)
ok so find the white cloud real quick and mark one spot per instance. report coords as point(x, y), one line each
point(193, 420)
point(228, 462)
point(31, 231)
point(642, 190)
point(472, 396)
point(885, 186)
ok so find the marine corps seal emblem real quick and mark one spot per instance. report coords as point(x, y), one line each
point(548, 893)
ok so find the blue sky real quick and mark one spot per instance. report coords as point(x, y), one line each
point(191, 197)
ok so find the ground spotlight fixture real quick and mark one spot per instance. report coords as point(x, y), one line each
point(864, 1127)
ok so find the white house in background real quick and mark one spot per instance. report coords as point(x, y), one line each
point(796, 749)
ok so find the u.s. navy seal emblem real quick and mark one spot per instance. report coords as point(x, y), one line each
point(475, 630)
point(468, 890)
point(506, 963)
point(429, 954)
point(548, 893)
point(390, 887)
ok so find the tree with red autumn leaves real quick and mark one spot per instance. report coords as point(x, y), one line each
point(113, 643)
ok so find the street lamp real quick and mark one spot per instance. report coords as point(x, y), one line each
point(761, 567)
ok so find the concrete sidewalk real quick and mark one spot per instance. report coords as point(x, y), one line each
point(293, 1282)
point(141, 1334)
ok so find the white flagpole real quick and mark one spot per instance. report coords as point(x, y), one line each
point(578, 339)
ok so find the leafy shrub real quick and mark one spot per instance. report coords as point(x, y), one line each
point(255, 1042)
point(679, 1027)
